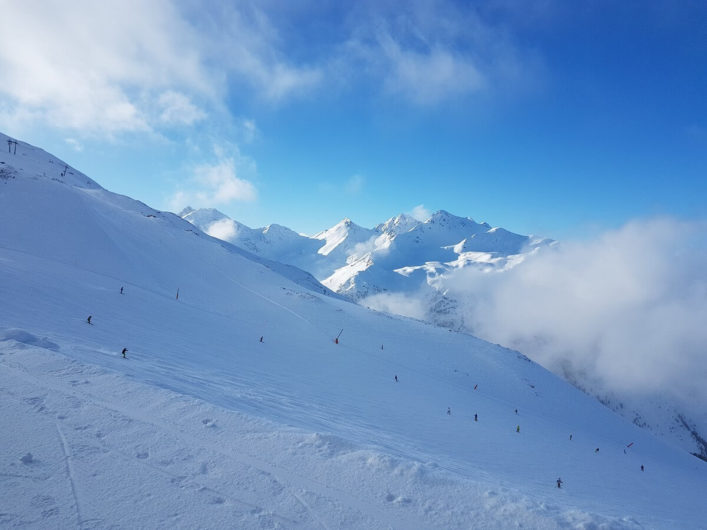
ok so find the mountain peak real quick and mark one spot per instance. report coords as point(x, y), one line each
point(444, 219)
point(202, 216)
point(397, 225)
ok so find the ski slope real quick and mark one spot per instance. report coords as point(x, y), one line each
point(204, 425)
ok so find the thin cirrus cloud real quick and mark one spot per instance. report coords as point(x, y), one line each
point(431, 52)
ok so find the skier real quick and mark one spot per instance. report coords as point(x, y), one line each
point(121, 290)
point(517, 428)
point(381, 346)
point(261, 339)
point(596, 450)
point(476, 417)
point(516, 412)
point(396, 378)
point(570, 437)
point(559, 483)
point(123, 352)
point(642, 469)
point(336, 340)
point(89, 319)
point(476, 386)
point(449, 411)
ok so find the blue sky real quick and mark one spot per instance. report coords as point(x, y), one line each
point(548, 117)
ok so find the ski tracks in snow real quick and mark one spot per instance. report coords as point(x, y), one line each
point(129, 431)
point(70, 473)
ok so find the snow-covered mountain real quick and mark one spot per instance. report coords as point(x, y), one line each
point(399, 255)
point(234, 406)
point(408, 267)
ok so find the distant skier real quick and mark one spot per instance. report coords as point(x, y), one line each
point(88, 320)
point(381, 346)
point(123, 352)
point(559, 483)
point(596, 450)
point(396, 378)
point(476, 417)
point(261, 338)
point(516, 412)
point(336, 340)
point(449, 411)
point(517, 428)
point(121, 290)
point(476, 386)
point(642, 468)
point(570, 437)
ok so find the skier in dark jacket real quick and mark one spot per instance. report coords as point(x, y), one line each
point(559, 483)
point(124, 350)
point(88, 320)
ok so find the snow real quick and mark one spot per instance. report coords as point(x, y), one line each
point(203, 425)
point(357, 262)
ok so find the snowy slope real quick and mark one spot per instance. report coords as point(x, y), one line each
point(203, 425)
point(412, 268)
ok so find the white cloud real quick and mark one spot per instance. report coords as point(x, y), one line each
point(105, 68)
point(355, 184)
point(428, 76)
point(251, 52)
point(627, 310)
point(420, 213)
point(249, 130)
point(222, 184)
point(430, 52)
point(412, 306)
point(132, 66)
point(74, 143)
point(224, 229)
point(95, 66)
point(177, 108)
point(215, 184)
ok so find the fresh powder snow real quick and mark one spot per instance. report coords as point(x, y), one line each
point(235, 407)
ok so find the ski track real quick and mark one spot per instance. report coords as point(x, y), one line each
point(70, 473)
point(273, 302)
point(290, 480)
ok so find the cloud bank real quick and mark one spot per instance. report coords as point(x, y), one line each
point(625, 311)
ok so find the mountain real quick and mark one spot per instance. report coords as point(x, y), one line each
point(408, 267)
point(203, 424)
point(358, 262)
